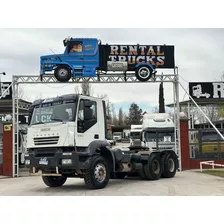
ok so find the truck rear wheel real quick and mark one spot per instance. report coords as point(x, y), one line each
point(153, 169)
point(54, 181)
point(143, 73)
point(98, 174)
point(169, 166)
point(62, 73)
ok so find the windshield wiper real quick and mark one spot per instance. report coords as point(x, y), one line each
point(56, 119)
point(38, 123)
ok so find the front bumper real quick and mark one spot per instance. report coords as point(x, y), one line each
point(49, 164)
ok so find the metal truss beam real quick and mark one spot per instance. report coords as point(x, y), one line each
point(99, 78)
point(108, 78)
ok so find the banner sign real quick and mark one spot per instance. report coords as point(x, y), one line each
point(206, 90)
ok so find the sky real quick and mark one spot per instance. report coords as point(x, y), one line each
point(198, 55)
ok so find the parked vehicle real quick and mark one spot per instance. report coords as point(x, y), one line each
point(66, 138)
point(117, 136)
point(158, 131)
point(135, 135)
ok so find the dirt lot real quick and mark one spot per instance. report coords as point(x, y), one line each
point(185, 183)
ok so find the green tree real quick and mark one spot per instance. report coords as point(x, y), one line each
point(114, 115)
point(161, 99)
point(134, 115)
point(120, 117)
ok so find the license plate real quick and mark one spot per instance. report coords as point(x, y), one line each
point(43, 161)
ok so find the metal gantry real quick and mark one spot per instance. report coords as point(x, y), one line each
point(102, 78)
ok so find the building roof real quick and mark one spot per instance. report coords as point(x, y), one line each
point(6, 106)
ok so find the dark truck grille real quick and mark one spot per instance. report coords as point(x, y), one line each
point(47, 152)
point(53, 140)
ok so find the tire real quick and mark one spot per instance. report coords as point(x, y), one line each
point(169, 165)
point(141, 173)
point(54, 181)
point(143, 73)
point(92, 178)
point(153, 169)
point(62, 73)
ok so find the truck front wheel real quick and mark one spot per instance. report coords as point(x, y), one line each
point(98, 174)
point(143, 73)
point(62, 73)
point(54, 181)
point(169, 167)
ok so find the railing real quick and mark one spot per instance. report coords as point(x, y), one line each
point(211, 163)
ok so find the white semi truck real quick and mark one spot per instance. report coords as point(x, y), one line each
point(66, 139)
point(158, 131)
point(135, 135)
point(158, 134)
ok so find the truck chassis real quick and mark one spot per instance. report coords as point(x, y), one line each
point(99, 163)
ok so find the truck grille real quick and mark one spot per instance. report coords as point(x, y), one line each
point(47, 152)
point(53, 140)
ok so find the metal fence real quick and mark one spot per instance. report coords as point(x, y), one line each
point(206, 144)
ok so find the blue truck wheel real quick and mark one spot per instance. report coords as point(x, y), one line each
point(143, 73)
point(62, 73)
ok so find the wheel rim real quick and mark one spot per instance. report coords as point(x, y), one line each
point(156, 167)
point(100, 172)
point(144, 72)
point(171, 165)
point(63, 72)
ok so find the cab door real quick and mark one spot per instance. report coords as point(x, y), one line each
point(75, 56)
point(90, 56)
point(87, 123)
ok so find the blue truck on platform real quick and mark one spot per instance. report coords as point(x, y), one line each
point(88, 57)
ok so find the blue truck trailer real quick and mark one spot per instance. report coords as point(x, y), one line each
point(88, 57)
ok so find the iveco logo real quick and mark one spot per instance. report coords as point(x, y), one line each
point(45, 129)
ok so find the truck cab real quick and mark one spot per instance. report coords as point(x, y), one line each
point(68, 121)
point(117, 136)
point(158, 132)
point(135, 135)
point(80, 58)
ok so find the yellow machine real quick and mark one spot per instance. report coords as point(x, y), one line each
point(210, 141)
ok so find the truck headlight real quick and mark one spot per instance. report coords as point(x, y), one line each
point(66, 161)
point(27, 162)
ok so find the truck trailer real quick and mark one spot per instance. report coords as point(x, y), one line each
point(66, 139)
point(88, 57)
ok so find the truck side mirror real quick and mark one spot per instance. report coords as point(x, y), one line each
point(141, 137)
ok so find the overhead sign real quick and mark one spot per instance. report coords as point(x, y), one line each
point(5, 92)
point(23, 119)
point(206, 90)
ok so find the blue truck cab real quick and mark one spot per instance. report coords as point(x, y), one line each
point(80, 58)
point(84, 57)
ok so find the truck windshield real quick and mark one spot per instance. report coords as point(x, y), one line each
point(53, 112)
point(135, 135)
point(117, 134)
point(161, 136)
